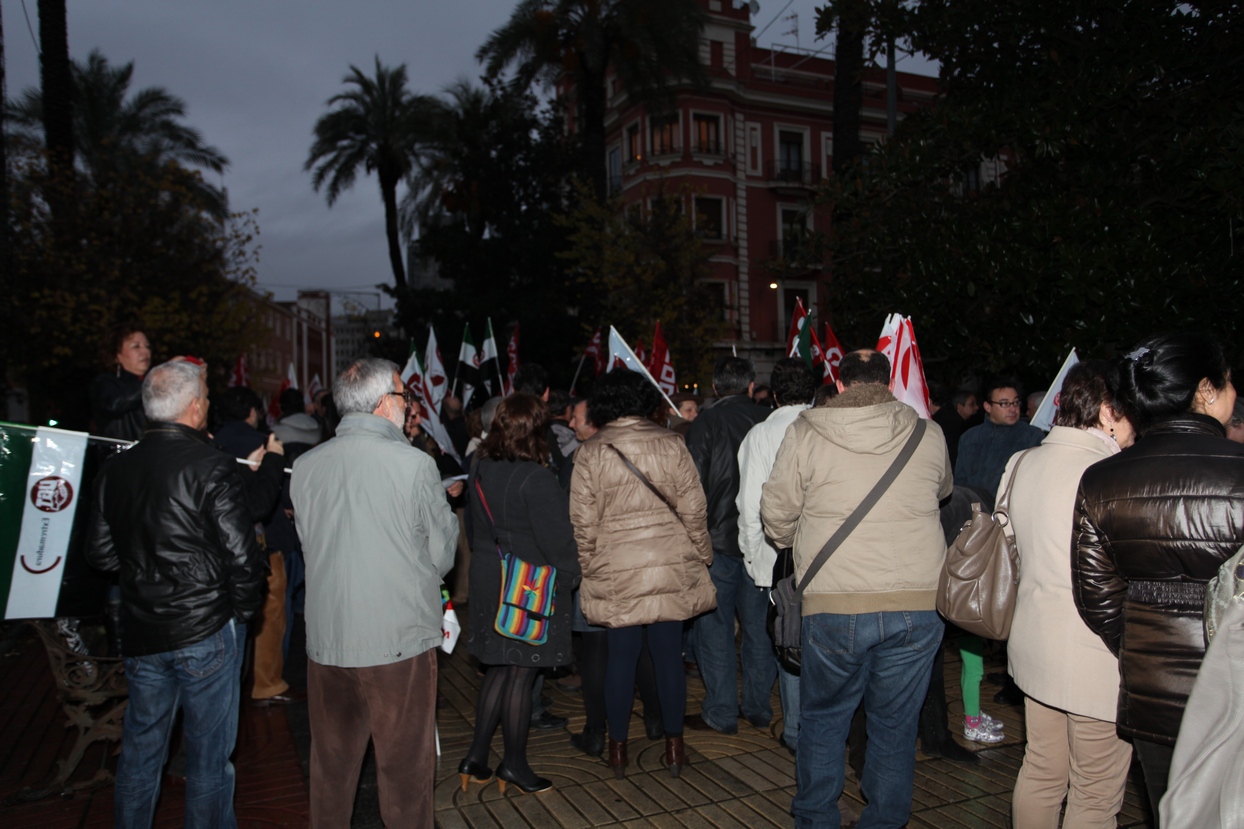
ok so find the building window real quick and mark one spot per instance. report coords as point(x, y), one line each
point(794, 228)
point(716, 54)
point(790, 156)
point(709, 218)
point(664, 135)
point(615, 170)
point(707, 134)
point(715, 295)
point(634, 149)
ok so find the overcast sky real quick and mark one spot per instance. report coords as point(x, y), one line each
point(255, 75)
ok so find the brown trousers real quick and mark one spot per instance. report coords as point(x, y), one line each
point(269, 653)
point(395, 706)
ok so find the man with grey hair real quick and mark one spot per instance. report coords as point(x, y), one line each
point(170, 515)
point(378, 535)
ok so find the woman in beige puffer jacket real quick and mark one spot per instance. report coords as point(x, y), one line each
point(644, 555)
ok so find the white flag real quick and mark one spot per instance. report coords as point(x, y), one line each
point(1044, 418)
point(620, 354)
point(907, 383)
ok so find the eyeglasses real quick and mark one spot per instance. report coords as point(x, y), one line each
point(405, 395)
point(1005, 404)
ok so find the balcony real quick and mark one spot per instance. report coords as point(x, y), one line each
point(713, 148)
point(664, 149)
point(793, 174)
point(796, 253)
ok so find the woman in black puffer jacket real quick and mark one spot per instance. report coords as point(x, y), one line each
point(1153, 525)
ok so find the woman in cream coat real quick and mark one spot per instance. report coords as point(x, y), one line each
point(1070, 680)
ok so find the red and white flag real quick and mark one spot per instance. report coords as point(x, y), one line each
point(511, 369)
point(907, 383)
point(241, 375)
point(833, 352)
point(802, 343)
point(274, 405)
point(435, 378)
point(661, 367)
point(416, 380)
point(314, 388)
point(621, 356)
point(597, 353)
point(640, 352)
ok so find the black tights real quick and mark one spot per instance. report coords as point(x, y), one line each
point(593, 660)
point(505, 697)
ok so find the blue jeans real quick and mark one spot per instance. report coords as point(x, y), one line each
point(736, 592)
point(884, 659)
point(788, 687)
point(204, 679)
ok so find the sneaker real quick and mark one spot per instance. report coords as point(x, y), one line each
point(981, 733)
point(990, 723)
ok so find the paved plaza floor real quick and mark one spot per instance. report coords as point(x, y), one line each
point(744, 781)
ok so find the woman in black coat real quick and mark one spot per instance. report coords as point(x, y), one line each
point(1153, 525)
point(117, 394)
point(532, 521)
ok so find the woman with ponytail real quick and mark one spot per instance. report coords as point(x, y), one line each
point(1152, 526)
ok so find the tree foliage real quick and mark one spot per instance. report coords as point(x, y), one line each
point(648, 43)
point(483, 200)
point(638, 268)
point(144, 251)
point(1118, 127)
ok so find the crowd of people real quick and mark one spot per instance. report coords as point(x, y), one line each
point(666, 528)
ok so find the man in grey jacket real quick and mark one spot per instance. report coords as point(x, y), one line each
point(378, 534)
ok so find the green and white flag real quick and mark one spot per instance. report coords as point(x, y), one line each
point(40, 486)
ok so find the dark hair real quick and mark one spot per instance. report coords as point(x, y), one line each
point(1085, 388)
point(621, 393)
point(235, 404)
point(824, 394)
point(1002, 383)
point(517, 432)
point(1159, 377)
point(792, 381)
point(961, 397)
point(864, 366)
point(111, 345)
point(291, 402)
point(939, 395)
point(531, 378)
point(683, 397)
point(559, 399)
point(732, 375)
point(331, 416)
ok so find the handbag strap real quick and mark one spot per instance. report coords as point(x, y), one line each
point(870, 501)
point(1004, 503)
point(492, 525)
point(641, 476)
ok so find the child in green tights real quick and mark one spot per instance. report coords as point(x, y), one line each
point(977, 725)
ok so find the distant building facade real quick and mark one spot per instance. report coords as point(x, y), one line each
point(745, 155)
point(301, 334)
point(354, 334)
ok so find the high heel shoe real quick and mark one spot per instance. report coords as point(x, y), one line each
point(468, 771)
point(617, 757)
point(675, 756)
point(536, 784)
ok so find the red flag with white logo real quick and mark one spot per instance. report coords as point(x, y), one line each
point(661, 367)
point(833, 353)
point(511, 352)
point(597, 353)
point(898, 343)
point(240, 376)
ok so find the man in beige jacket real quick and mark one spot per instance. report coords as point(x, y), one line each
point(870, 628)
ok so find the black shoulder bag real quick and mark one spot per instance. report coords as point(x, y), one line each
point(786, 615)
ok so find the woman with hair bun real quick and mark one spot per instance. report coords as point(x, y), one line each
point(1070, 681)
point(1152, 526)
point(644, 550)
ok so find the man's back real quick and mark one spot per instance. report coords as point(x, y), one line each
point(984, 451)
point(714, 440)
point(378, 535)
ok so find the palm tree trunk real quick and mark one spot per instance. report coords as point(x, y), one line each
point(848, 83)
point(592, 123)
point(57, 82)
point(388, 192)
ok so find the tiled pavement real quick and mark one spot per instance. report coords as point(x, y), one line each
point(740, 781)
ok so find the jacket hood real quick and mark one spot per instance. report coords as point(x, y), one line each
point(298, 428)
point(864, 420)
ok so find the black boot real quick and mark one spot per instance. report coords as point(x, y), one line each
point(591, 742)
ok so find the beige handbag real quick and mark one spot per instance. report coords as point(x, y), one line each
point(977, 587)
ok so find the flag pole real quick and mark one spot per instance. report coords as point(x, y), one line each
point(575, 381)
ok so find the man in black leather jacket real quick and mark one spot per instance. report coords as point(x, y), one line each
point(714, 440)
point(170, 514)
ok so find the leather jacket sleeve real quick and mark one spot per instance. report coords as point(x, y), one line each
point(101, 551)
point(113, 397)
point(228, 515)
point(1098, 588)
point(692, 508)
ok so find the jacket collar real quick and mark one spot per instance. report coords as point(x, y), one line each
point(362, 423)
point(164, 428)
point(860, 396)
point(1080, 439)
point(733, 400)
point(1187, 423)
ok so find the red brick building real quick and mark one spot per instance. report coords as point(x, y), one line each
point(749, 152)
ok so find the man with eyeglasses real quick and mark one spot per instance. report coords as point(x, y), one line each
point(985, 449)
point(378, 535)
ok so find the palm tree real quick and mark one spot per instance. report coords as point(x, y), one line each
point(116, 131)
point(378, 125)
point(649, 44)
